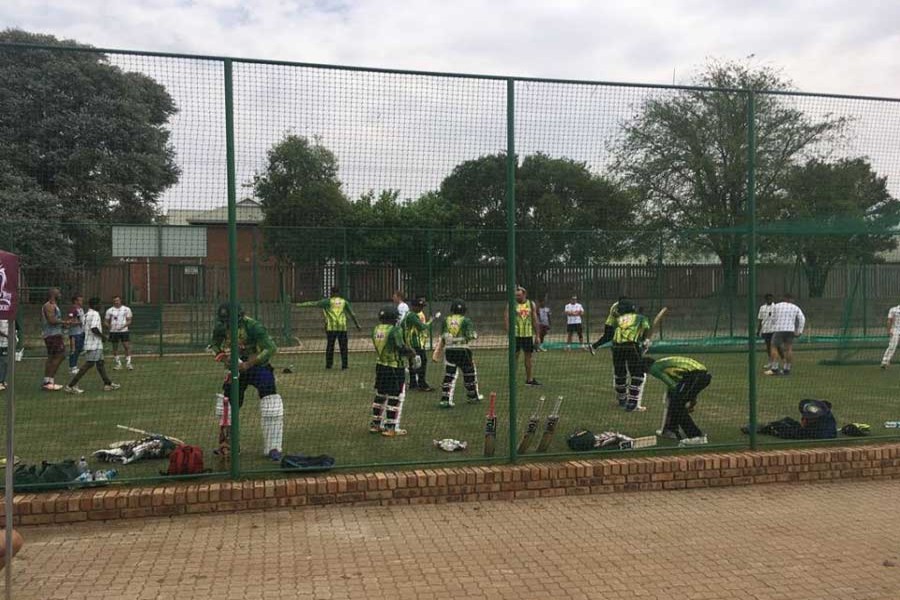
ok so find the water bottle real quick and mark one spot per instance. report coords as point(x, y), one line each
point(83, 466)
point(111, 474)
point(892, 424)
point(85, 477)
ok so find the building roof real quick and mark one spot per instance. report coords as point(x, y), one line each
point(249, 212)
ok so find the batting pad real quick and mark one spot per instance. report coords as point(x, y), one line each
point(271, 412)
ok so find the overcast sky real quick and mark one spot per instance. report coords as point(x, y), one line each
point(823, 45)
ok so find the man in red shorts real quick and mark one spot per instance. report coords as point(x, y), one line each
point(52, 325)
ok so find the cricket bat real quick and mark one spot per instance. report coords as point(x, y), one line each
point(150, 433)
point(657, 321)
point(438, 351)
point(490, 427)
point(550, 426)
point(533, 422)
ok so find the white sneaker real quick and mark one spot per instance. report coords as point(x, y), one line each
point(2, 386)
point(111, 387)
point(130, 367)
point(118, 367)
point(694, 441)
point(74, 370)
point(73, 390)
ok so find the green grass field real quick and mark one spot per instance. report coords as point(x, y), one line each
point(327, 411)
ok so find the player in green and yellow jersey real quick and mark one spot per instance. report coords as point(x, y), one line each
point(685, 378)
point(628, 369)
point(527, 327)
point(416, 324)
point(335, 309)
point(457, 332)
point(390, 374)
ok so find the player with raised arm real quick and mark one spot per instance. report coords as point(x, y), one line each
point(457, 332)
point(684, 378)
point(335, 310)
point(118, 321)
point(893, 328)
point(256, 350)
point(390, 376)
point(93, 350)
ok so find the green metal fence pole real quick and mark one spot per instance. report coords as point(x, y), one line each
point(345, 279)
point(865, 296)
point(232, 271)
point(429, 242)
point(511, 260)
point(255, 275)
point(159, 276)
point(751, 265)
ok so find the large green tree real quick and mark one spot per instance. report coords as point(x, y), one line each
point(565, 214)
point(833, 213)
point(91, 136)
point(299, 188)
point(686, 153)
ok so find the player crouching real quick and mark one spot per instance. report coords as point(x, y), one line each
point(256, 350)
point(390, 376)
point(685, 378)
point(457, 331)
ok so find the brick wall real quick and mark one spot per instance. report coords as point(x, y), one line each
point(463, 484)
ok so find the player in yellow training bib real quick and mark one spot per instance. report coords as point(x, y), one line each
point(527, 327)
point(335, 310)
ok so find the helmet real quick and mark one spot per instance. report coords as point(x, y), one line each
point(625, 307)
point(457, 307)
point(388, 314)
point(223, 313)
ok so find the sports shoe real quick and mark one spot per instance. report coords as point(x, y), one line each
point(631, 406)
point(884, 365)
point(51, 387)
point(533, 382)
point(667, 434)
point(130, 367)
point(74, 370)
point(393, 432)
point(73, 389)
point(111, 387)
point(117, 367)
point(425, 388)
point(447, 404)
point(2, 387)
point(771, 372)
point(274, 455)
point(374, 428)
point(476, 399)
point(786, 372)
point(694, 441)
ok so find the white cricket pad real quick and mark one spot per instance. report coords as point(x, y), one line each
point(271, 411)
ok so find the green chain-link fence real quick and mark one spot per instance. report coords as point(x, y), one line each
point(180, 183)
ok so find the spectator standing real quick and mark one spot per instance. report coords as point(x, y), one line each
point(574, 318)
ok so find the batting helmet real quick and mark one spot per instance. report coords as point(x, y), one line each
point(223, 313)
point(388, 314)
point(457, 307)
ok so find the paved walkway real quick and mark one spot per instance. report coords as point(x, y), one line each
point(768, 542)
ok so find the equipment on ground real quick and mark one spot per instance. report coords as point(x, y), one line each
point(531, 429)
point(550, 426)
point(490, 427)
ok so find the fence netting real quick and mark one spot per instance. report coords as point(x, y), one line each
point(362, 193)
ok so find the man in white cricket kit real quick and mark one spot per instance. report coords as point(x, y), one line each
point(118, 320)
point(788, 324)
point(894, 332)
point(574, 313)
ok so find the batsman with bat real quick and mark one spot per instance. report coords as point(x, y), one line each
point(256, 350)
point(457, 332)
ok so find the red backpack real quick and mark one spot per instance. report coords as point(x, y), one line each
point(185, 460)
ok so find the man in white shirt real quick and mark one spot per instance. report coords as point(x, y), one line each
point(765, 321)
point(574, 313)
point(788, 324)
point(118, 320)
point(894, 332)
point(402, 307)
point(93, 351)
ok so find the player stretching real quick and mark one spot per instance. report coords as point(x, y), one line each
point(390, 376)
point(457, 332)
point(256, 349)
point(788, 324)
point(685, 378)
point(527, 327)
point(893, 326)
point(335, 310)
point(628, 368)
point(93, 350)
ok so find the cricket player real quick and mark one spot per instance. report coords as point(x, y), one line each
point(335, 309)
point(76, 332)
point(457, 332)
point(628, 369)
point(684, 378)
point(256, 350)
point(118, 321)
point(93, 351)
point(527, 327)
point(765, 321)
point(788, 324)
point(609, 326)
point(390, 375)
point(52, 325)
point(415, 325)
point(893, 327)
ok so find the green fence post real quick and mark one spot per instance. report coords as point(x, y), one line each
point(345, 279)
point(511, 260)
point(255, 275)
point(865, 297)
point(159, 276)
point(751, 264)
point(429, 242)
point(232, 271)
